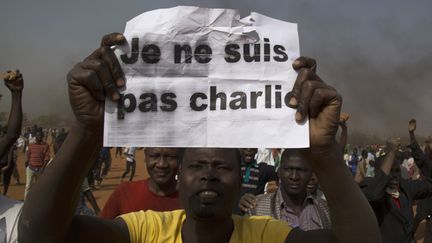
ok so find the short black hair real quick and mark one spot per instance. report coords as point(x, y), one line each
point(291, 152)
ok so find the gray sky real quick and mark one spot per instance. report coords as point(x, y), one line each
point(378, 54)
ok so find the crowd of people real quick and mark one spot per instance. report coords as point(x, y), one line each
point(330, 192)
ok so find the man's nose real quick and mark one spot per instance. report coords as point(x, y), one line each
point(294, 175)
point(162, 162)
point(209, 174)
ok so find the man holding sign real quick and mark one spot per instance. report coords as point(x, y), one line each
point(209, 178)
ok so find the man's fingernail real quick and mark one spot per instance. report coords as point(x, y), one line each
point(298, 116)
point(293, 101)
point(120, 82)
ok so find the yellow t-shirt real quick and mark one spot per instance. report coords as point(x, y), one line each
point(154, 227)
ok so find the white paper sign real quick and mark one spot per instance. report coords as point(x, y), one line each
point(199, 77)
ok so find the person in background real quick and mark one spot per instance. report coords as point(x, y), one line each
point(424, 163)
point(38, 155)
point(392, 197)
point(158, 193)
point(292, 202)
point(313, 188)
point(365, 167)
point(130, 163)
point(255, 176)
point(353, 161)
point(118, 152)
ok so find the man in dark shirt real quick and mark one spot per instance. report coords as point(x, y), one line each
point(392, 197)
point(255, 176)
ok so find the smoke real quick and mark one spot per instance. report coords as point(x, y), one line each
point(376, 53)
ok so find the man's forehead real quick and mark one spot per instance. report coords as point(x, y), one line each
point(163, 150)
point(211, 154)
point(296, 160)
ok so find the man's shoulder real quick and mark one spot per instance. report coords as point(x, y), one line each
point(251, 228)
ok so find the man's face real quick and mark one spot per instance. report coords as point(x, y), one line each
point(313, 184)
point(162, 164)
point(395, 174)
point(248, 154)
point(294, 174)
point(209, 182)
point(38, 137)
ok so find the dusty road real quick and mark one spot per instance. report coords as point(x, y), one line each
point(107, 186)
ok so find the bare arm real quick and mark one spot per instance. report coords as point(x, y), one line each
point(420, 158)
point(48, 214)
point(15, 84)
point(352, 217)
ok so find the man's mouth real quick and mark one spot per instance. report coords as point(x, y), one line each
point(294, 186)
point(208, 196)
point(160, 173)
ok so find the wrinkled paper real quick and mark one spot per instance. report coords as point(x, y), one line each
point(200, 77)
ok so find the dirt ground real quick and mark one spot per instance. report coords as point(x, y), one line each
point(106, 188)
point(113, 180)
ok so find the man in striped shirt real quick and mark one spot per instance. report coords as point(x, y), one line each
point(291, 202)
point(38, 155)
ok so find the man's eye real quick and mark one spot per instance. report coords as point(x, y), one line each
point(153, 156)
point(224, 168)
point(195, 166)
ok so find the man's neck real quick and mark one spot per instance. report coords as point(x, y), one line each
point(294, 201)
point(162, 190)
point(197, 231)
